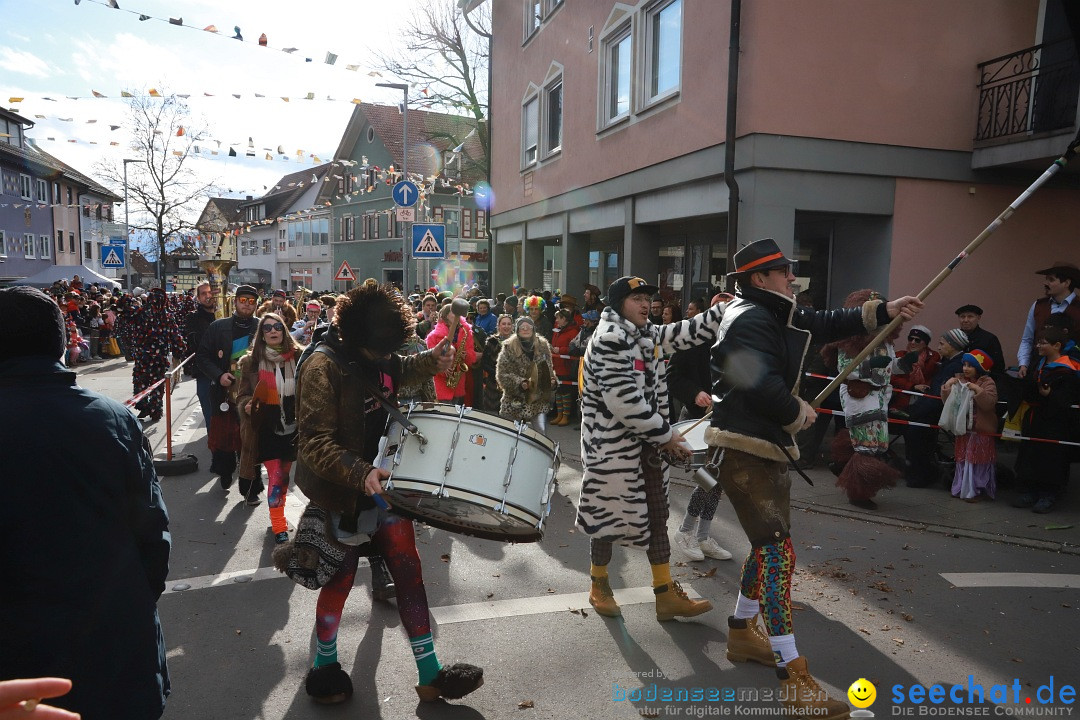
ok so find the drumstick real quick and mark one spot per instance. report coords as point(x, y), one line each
point(700, 420)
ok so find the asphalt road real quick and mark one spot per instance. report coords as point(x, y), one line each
point(900, 607)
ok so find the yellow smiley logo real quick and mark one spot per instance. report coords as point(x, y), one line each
point(862, 693)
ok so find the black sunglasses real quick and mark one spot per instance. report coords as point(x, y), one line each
point(276, 326)
point(914, 338)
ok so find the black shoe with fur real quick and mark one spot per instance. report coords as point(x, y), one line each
point(453, 682)
point(328, 684)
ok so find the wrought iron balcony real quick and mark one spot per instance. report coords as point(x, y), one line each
point(1028, 93)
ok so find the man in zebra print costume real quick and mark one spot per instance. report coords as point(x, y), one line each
point(624, 430)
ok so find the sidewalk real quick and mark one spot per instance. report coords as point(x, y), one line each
point(932, 509)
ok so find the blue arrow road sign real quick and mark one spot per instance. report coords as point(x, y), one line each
point(406, 193)
point(112, 256)
point(429, 241)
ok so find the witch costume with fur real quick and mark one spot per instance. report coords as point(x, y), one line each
point(154, 334)
point(859, 450)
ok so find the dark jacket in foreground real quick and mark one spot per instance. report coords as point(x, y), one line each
point(757, 367)
point(84, 545)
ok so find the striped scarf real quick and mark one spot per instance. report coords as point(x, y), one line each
point(277, 371)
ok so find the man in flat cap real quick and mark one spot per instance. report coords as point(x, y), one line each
point(1059, 286)
point(970, 316)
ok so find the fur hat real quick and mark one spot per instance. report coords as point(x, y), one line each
point(33, 324)
point(957, 338)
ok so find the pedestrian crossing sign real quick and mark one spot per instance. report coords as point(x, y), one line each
point(429, 240)
point(113, 257)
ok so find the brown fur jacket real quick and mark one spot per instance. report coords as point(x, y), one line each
point(513, 367)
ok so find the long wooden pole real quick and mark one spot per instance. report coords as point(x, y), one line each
point(947, 270)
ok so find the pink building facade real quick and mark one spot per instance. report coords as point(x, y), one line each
point(873, 140)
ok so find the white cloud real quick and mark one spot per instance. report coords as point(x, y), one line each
point(26, 63)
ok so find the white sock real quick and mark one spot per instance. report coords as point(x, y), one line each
point(783, 647)
point(746, 608)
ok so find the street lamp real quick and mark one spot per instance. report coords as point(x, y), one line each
point(127, 230)
point(404, 174)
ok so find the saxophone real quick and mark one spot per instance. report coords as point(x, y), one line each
point(453, 375)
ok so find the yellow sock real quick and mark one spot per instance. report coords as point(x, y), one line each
point(661, 574)
point(598, 571)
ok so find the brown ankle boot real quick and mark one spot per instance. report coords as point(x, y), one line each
point(803, 697)
point(671, 600)
point(747, 642)
point(561, 420)
point(602, 599)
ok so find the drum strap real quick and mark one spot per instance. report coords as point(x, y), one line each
point(390, 408)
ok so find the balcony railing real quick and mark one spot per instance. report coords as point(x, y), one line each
point(1028, 92)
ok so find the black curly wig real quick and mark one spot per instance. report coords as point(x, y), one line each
point(374, 317)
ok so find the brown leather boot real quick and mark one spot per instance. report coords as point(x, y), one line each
point(747, 642)
point(602, 599)
point(803, 697)
point(672, 601)
point(561, 420)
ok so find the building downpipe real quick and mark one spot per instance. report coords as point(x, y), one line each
point(729, 141)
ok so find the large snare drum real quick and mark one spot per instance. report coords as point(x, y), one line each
point(695, 438)
point(472, 473)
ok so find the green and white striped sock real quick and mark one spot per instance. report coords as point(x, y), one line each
point(427, 664)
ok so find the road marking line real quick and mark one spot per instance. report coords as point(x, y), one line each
point(470, 612)
point(1008, 579)
point(446, 614)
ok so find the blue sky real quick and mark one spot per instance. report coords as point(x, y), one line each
point(57, 49)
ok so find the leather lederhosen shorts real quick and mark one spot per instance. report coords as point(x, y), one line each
point(760, 492)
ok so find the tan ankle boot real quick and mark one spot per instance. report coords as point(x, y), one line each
point(747, 642)
point(803, 697)
point(602, 599)
point(672, 601)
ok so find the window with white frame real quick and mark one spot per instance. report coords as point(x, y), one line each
point(618, 64)
point(553, 116)
point(29, 243)
point(3, 245)
point(25, 187)
point(532, 17)
point(42, 191)
point(46, 247)
point(88, 250)
point(530, 129)
point(550, 6)
point(59, 241)
point(663, 49)
point(267, 247)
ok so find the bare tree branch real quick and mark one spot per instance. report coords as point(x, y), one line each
point(442, 55)
point(163, 191)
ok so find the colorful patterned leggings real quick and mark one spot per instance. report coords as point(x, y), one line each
point(278, 473)
point(766, 577)
point(395, 541)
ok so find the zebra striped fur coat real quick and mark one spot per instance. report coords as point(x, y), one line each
point(624, 403)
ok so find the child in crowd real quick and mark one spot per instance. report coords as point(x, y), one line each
point(976, 451)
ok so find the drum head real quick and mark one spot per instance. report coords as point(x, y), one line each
point(461, 513)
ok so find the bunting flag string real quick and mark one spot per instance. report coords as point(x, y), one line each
point(155, 93)
point(330, 57)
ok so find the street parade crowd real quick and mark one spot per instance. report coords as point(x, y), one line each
point(302, 390)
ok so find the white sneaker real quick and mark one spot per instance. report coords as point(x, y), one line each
point(709, 547)
point(686, 548)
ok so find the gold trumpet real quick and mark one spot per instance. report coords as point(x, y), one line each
point(300, 296)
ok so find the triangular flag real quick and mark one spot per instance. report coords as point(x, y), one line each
point(331, 58)
point(208, 28)
point(237, 36)
point(309, 96)
point(357, 101)
point(285, 99)
point(15, 100)
point(262, 40)
point(354, 68)
point(269, 156)
point(112, 4)
point(180, 131)
point(144, 17)
point(290, 50)
point(281, 149)
point(125, 93)
point(232, 153)
point(154, 93)
point(97, 94)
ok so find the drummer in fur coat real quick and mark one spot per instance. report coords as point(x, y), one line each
point(339, 428)
point(624, 428)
